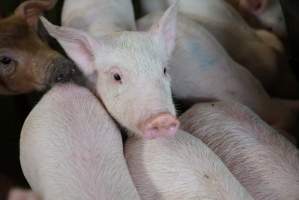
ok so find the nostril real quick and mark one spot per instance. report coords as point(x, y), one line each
point(160, 125)
point(60, 78)
point(173, 126)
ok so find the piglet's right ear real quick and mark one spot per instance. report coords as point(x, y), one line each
point(77, 44)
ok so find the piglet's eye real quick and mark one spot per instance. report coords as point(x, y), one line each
point(7, 65)
point(5, 60)
point(164, 70)
point(117, 77)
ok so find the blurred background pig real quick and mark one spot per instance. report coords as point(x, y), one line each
point(127, 69)
point(201, 70)
point(261, 52)
point(265, 14)
point(265, 162)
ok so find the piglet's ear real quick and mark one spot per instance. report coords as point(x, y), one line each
point(165, 29)
point(77, 44)
point(254, 6)
point(31, 10)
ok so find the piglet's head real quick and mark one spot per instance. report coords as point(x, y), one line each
point(129, 72)
point(27, 63)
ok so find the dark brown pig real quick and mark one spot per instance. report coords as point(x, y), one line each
point(27, 63)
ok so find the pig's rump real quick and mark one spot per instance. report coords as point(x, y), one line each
point(265, 162)
point(180, 167)
point(72, 149)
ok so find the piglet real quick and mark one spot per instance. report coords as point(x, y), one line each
point(27, 63)
point(264, 162)
point(181, 167)
point(70, 148)
point(129, 73)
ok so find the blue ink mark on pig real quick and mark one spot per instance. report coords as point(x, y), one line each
point(204, 58)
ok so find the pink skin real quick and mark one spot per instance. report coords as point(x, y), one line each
point(19, 194)
point(71, 148)
point(180, 167)
point(264, 161)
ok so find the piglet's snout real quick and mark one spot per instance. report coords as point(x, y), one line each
point(63, 71)
point(163, 124)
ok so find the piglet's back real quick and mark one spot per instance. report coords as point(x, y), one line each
point(71, 149)
point(180, 167)
point(265, 162)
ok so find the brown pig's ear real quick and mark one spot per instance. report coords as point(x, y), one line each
point(31, 10)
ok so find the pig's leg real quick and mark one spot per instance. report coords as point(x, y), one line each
point(261, 159)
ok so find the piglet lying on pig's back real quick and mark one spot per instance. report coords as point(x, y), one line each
point(261, 159)
point(72, 149)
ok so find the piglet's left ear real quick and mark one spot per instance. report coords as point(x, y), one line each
point(31, 10)
point(165, 29)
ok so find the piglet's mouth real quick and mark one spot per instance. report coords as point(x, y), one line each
point(160, 125)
